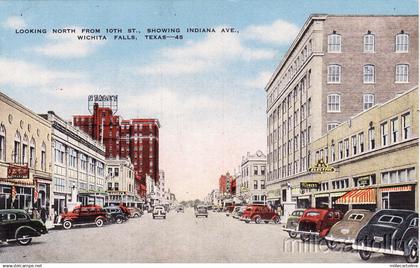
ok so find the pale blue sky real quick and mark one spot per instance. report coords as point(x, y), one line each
point(207, 90)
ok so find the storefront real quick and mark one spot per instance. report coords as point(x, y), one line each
point(16, 196)
point(398, 197)
point(92, 198)
point(359, 198)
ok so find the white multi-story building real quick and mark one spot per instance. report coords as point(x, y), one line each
point(78, 165)
point(252, 181)
point(160, 187)
point(120, 182)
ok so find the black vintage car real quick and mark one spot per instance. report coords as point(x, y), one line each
point(390, 231)
point(116, 215)
point(17, 225)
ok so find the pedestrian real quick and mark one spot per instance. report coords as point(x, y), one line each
point(43, 215)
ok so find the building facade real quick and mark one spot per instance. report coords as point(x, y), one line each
point(137, 139)
point(370, 161)
point(25, 158)
point(336, 67)
point(78, 165)
point(253, 182)
point(120, 182)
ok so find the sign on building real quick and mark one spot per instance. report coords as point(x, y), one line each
point(17, 172)
point(321, 167)
point(309, 185)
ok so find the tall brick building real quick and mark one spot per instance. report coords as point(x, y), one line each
point(137, 139)
point(337, 66)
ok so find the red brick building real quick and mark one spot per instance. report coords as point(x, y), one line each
point(137, 139)
point(227, 184)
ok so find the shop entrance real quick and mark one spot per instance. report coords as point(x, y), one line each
point(303, 203)
point(322, 202)
point(399, 200)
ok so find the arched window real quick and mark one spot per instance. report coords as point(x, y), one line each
point(32, 153)
point(25, 149)
point(2, 143)
point(368, 74)
point(334, 73)
point(369, 43)
point(16, 148)
point(401, 42)
point(334, 42)
point(43, 157)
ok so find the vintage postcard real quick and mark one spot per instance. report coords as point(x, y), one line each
point(198, 131)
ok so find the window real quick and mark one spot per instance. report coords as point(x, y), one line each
point(368, 74)
point(334, 73)
point(333, 103)
point(371, 137)
point(401, 73)
point(332, 152)
point(16, 148)
point(368, 101)
point(406, 126)
point(32, 153)
point(116, 186)
point(369, 43)
point(262, 184)
point(83, 162)
point(401, 42)
point(262, 170)
point(2, 143)
point(116, 172)
point(340, 150)
point(334, 43)
point(399, 176)
point(354, 144)
point(361, 141)
point(356, 217)
point(255, 185)
point(255, 170)
point(331, 126)
point(43, 157)
point(109, 186)
point(346, 148)
point(384, 133)
point(25, 150)
point(394, 130)
point(390, 219)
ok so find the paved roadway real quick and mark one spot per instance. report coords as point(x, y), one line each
point(179, 238)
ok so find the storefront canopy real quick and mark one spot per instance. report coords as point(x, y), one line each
point(364, 196)
point(406, 188)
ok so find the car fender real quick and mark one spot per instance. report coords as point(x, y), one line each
point(324, 232)
point(101, 217)
point(410, 233)
point(27, 230)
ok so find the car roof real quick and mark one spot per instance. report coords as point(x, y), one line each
point(396, 212)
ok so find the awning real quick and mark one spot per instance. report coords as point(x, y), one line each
point(303, 197)
point(322, 195)
point(406, 188)
point(364, 196)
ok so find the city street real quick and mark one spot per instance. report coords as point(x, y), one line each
point(179, 238)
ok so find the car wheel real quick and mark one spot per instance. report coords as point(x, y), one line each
point(67, 225)
point(257, 220)
point(292, 234)
point(119, 221)
point(413, 250)
point(331, 244)
point(305, 237)
point(247, 221)
point(99, 222)
point(23, 239)
point(164, 217)
point(365, 255)
point(276, 220)
point(153, 217)
point(136, 215)
point(266, 222)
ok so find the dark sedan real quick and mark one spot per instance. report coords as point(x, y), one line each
point(17, 225)
point(390, 231)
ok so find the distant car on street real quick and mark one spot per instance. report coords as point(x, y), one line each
point(17, 225)
point(260, 213)
point(201, 211)
point(135, 212)
point(229, 210)
point(84, 215)
point(159, 212)
point(116, 215)
point(180, 209)
point(391, 232)
point(293, 222)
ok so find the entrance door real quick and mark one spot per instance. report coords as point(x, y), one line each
point(385, 200)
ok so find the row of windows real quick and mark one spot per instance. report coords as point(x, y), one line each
point(401, 43)
point(255, 186)
point(354, 145)
point(257, 170)
point(24, 152)
point(334, 103)
point(334, 73)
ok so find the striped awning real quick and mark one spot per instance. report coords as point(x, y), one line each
point(364, 196)
point(405, 188)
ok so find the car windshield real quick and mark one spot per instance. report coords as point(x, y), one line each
point(312, 214)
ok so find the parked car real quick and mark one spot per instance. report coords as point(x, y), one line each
point(293, 222)
point(229, 210)
point(259, 213)
point(201, 211)
point(180, 209)
point(316, 222)
point(83, 215)
point(390, 231)
point(345, 231)
point(116, 215)
point(135, 212)
point(159, 212)
point(238, 213)
point(17, 225)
